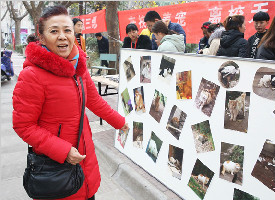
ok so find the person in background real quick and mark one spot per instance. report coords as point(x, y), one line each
point(204, 41)
point(261, 20)
point(79, 39)
point(266, 48)
point(32, 38)
point(47, 100)
point(169, 40)
point(103, 47)
point(134, 40)
point(215, 31)
point(232, 42)
point(151, 17)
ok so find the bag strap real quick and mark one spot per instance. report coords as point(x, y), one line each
point(82, 112)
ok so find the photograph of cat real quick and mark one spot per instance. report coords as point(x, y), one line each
point(153, 147)
point(176, 121)
point(264, 169)
point(129, 69)
point(126, 102)
point(139, 100)
point(264, 83)
point(184, 85)
point(157, 106)
point(138, 134)
point(206, 96)
point(166, 68)
point(200, 179)
point(231, 163)
point(174, 162)
point(229, 74)
point(145, 69)
point(236, 110)
point(239, 195)
point(203, 137)
point(122, 137)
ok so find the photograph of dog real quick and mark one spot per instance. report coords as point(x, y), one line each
point(264, 169)
point(126, 102)
point(122, 137)
point(231, 163)
point(139, 100)
point(157, 106)
point(175, 156)
point(129, 69)
point(206, 96)
point(200, 179)
point(264, 83)
point(138, 134)
point(229, 74)
point(203, 137)
point(153, 147)
point(176, 121)
point(145, 69)
point(166, 68)
point(239, 195)
point(236, 110)
point(184, 85)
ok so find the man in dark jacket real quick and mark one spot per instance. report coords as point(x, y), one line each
point(103, 47)
point(261, 20)
point(151, 17)
point(204, 41)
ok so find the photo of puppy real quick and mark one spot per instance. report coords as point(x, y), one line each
point(139, 100)
point(145, 69)
point(129, 68)
point(174, 162)
point(184, 85)
point(153, 146)
point(157, 106)
point(166, 68)
point(229, 74)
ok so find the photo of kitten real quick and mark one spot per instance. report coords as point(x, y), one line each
point(139, 100)
point(138, 135)
point(229, 74)
point(145, 69)
point(200, 179)
point(157, 106)
point(153, 147)
point(206, 96)
point(126, 102)
point(236, 110)
point(174, 162)
point(231, 163)
point(203, 137)
point(129, 69)
point(166, 68)
point(264, 83)
point(184, 85)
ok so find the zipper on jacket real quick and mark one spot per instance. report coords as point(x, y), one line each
point(59, 130)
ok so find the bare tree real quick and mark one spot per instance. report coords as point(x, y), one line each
point(14, 13)
point(112, 29)
point(2, 38)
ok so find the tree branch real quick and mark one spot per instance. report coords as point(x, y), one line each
point(11, 10)
point(4, 15)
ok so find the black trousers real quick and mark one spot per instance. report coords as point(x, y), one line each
point(92, 198)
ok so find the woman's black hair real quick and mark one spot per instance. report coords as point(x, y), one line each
point(160, 27)
point(75, 20)
point(32, 38)
point(269, 37)
point(131, 27)
point(233, 22)
point(50, 12)
point(213, 27)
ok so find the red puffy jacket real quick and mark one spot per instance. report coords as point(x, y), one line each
point(47, 104)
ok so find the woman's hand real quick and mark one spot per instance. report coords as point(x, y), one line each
point(74, 157)
point(125, 127)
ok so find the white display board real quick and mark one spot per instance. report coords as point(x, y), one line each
point(185, 129)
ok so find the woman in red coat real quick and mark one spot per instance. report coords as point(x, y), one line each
point(47, 100)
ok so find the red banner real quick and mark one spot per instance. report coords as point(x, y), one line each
point(191, 15)
point(94, 23)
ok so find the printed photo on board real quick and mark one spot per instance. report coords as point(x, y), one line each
point(153, 146)
point(264, 169)
point(138, 134)
point(175, 156)
point(166, 68)
point(122, 137)
point(231, 163)
point(229, 74)
point(184, 85)
point(145, 69)
point(129, 68)
point(126, 102)
point(236, 110)
point(200, 179)
point(176, 121)
point(203, 137)
point(157, 106)
point(264, 83)
point(241, 195)
point(206, 96)
point(139, 100)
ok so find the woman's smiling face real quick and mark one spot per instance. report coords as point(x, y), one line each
point(58, 35)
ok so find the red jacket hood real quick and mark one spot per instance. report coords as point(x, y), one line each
point(39, 56)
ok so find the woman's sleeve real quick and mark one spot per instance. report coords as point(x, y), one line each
point(243, 49)
point(100, 107)
point(28, 99)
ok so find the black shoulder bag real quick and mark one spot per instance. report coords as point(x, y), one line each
point(45, 178)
